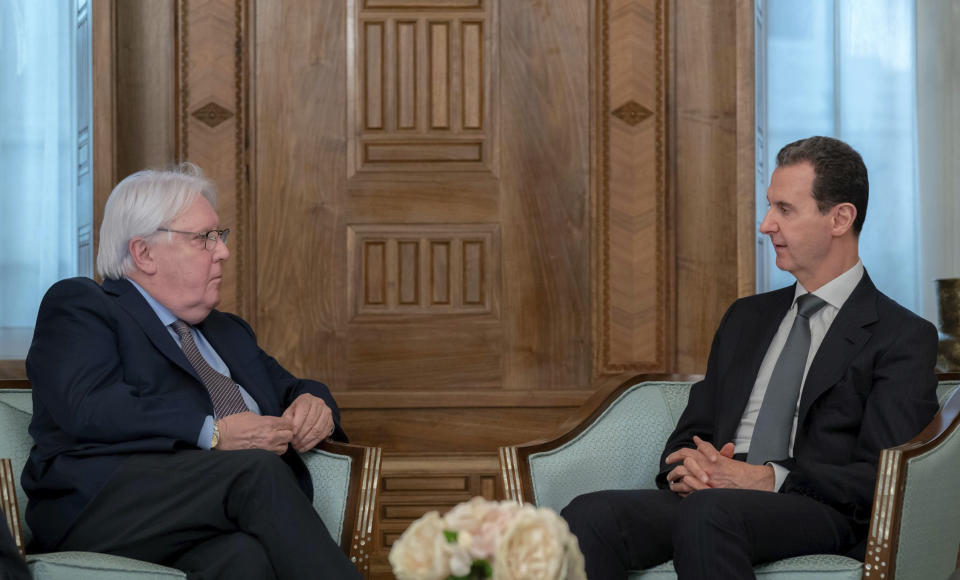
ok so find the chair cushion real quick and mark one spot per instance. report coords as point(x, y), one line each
point(91, 566)
point(816, 567)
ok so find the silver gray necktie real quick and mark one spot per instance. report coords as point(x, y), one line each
point(771, 434)
point(224, 393)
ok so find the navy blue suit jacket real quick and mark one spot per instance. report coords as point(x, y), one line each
point(871, 385)
point(109, 381)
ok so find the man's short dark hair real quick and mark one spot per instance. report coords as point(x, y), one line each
point(840, 175)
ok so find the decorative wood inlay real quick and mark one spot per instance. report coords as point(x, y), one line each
point(211, 68)
point(362, 543)
point(457, 265)
point(212, 114)
point(8, 502)
point(633, 244)
point(422, 86)
point(631, 112)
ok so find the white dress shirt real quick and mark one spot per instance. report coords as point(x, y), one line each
point(834, 293)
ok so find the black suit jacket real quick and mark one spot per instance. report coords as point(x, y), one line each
point(871, 385)
point(109, 381)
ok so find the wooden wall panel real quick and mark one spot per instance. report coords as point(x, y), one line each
point(713, 106)
point(146, 85)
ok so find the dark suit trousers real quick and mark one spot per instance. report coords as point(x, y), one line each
point(12, 566)
point(712, 534)
point(219, 514)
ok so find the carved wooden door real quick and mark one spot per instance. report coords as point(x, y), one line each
point(453, 211)
point(428, 194)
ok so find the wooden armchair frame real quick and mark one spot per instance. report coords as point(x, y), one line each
point(891, 481)
point(891, 486)
point(358, 530)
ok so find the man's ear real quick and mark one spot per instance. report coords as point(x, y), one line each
point(844, 215)
point(142, 257)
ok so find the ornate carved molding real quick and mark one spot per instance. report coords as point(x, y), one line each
point(203, 44)
point(612, 359)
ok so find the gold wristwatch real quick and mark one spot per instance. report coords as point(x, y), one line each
point(215, 440)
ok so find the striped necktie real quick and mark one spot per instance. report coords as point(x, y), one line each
point(224, 393)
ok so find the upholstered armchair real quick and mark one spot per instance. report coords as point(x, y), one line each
point(345, 496)
point(915, 523)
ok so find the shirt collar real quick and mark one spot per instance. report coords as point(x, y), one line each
point(836, 291)
point(163, 313)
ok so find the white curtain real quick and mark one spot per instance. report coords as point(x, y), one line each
point(846, 69)
point(938, 113)
point(37, 160)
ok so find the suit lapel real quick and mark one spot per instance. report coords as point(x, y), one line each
point(130, 299)
point(842, 342)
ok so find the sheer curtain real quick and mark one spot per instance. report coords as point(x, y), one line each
point(38, 160)
point(938, 96)
point(846, 69)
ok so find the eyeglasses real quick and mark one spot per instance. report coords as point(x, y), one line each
point(209, 238)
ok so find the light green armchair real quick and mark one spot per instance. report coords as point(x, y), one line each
point(915, 524)
point(345, 496)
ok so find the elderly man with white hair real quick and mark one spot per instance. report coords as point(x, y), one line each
point(162, 431)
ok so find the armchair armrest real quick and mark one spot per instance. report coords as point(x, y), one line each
point(345, 479)
point(915, 524)
point(8, 503)
point(615, 444)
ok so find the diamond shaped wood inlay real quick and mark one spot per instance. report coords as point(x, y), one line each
point(631, 112)
point(212, 114)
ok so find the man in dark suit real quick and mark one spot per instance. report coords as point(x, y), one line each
point(776, 452)
point(162, 431)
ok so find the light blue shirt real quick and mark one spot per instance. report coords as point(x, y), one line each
point(206, 350)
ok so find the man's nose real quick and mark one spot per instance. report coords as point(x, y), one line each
point(221, 251)
point(767, 226)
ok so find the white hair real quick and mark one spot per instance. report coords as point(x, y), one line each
point(141, 204)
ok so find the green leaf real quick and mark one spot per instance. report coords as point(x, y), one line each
point(481, 569)
point(451, 536)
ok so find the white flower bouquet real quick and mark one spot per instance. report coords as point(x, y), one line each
point(485, 539)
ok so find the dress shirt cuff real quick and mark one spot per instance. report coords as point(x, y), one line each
point(206, 433)
point(780, 473)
